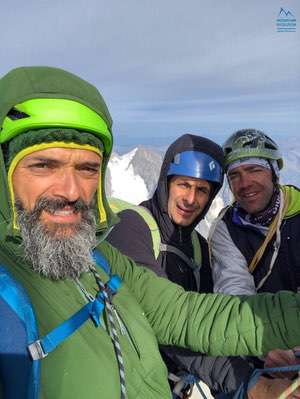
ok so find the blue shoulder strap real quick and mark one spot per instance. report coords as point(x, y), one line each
point(17, 312)
point(101, 262)
point(20, 376)
point(92, 310)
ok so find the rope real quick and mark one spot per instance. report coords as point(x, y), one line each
point(274, 227)
point(200, 389)
point(113, 332)
point(290, 389)
point(294, 385)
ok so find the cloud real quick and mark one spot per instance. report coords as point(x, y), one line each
point(164, 63)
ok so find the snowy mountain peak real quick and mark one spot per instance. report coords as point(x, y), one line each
point(132, 176)
point(123, 160)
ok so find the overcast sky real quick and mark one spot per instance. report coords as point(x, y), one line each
point(168, 67)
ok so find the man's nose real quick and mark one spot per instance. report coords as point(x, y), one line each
point(67, 186)
point(244, 180)
point(190, 197)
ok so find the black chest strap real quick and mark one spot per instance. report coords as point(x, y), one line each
point(189, 262)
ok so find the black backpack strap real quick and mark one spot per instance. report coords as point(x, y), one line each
point(189, 262)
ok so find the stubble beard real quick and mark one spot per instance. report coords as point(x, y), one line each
point(53, 251)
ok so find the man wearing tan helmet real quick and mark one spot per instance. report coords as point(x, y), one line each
point(260, 230)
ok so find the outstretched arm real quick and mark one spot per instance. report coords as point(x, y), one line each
point(215, 324)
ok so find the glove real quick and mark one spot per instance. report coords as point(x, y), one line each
point(266, 388)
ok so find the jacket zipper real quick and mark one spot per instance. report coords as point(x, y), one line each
point(180, 235)
point(124, 330)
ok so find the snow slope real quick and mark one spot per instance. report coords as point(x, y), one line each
point(124, 182)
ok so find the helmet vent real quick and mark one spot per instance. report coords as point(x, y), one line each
point(270, 146)
point(15, 114)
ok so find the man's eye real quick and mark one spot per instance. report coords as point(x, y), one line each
point(89, 170)
point(204, 190)
point(232, 177)
point(40, 166)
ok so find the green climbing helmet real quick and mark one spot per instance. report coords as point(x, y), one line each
point(248, 143)
point(41, 97)
point(41, 113)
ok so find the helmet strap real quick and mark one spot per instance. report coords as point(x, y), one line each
point(275, 171)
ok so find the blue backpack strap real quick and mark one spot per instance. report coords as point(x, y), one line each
point(101, 261)
point(17, 315)
point(19, 375)
point(40, 348)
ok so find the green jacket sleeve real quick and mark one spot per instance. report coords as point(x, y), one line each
point(214, 324)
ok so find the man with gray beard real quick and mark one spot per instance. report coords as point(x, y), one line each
point(78, 318)
point(52, 252)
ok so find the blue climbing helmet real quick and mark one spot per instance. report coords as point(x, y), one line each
point(198, 157)
point(192, 156)
point(197, 164)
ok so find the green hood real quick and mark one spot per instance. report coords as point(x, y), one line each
point(293, 194)
point(27, 83)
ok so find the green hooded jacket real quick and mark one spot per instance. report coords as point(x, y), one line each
point(153, 311)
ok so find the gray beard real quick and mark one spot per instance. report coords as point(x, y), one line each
point(52, 253)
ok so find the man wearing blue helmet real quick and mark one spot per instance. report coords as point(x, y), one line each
point(186, 187)
point(190, 178)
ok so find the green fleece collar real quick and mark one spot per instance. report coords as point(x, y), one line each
point(293, 195)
